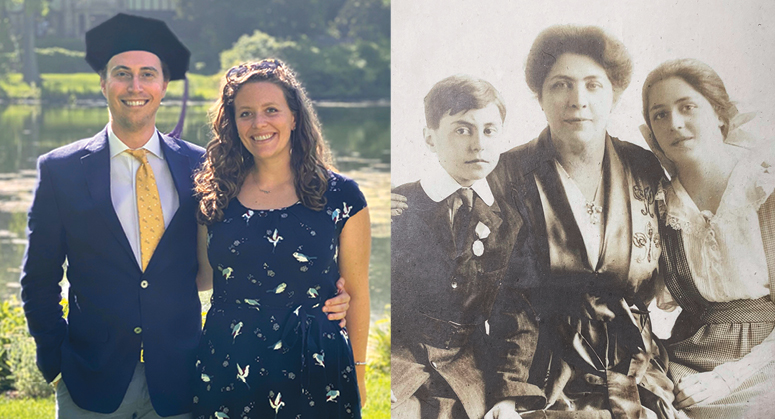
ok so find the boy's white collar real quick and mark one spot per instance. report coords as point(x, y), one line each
point(439, 185)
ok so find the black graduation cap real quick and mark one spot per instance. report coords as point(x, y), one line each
point(125, 32)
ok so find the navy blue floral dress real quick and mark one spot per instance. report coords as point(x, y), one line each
point(267, 349)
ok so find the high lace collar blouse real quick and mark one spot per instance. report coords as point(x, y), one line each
point(724, 250)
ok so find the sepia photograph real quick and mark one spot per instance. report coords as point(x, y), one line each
point(582, 215)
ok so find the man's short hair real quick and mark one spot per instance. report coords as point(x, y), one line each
point(460, 93)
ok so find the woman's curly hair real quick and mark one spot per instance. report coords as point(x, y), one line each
point(227, 161)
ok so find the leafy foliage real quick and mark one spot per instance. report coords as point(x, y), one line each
point(209, 26)
point(378, 371)
point(353, 70)
point(61, 60)
point(379, 344)
point(17, 359)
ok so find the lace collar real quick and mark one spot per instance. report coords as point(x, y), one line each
point(752, 181)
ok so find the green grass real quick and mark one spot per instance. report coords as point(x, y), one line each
point(15, 88)
point(26, 408)
point(378, 391)
point(67, 87)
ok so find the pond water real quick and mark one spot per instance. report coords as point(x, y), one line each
point(359, 137)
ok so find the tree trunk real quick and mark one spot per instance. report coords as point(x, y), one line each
point(29, 60)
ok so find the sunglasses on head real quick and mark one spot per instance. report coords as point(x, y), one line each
point(269, 65)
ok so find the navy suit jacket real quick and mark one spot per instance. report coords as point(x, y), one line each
point(72, 219)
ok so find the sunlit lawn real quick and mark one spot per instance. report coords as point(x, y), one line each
point(26, 408)
point(378, 389)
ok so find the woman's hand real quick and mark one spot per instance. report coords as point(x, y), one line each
point(337, 307)
point(503, 410)
point(704, 387)
point(397, 204)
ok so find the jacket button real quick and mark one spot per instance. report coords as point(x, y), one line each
point(138, 330)
point(454, 284)
point(144, 284)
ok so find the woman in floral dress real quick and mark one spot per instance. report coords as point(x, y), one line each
point(281, 227)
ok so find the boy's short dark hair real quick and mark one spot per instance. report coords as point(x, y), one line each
point(460, 93)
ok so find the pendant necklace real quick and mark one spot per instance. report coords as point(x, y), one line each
point(593, 210)
point(255, 177)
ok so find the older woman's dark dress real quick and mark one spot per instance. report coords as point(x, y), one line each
point(588, 364)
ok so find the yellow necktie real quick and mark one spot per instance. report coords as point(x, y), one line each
point(148, 207)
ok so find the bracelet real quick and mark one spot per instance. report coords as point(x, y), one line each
point(359, 363)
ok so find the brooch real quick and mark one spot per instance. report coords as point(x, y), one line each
point(482, 232)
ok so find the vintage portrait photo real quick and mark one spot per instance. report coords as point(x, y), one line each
point(582, 220)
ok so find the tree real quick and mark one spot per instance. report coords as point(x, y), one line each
point(364, 19)
point(342, 71)
point(209, 27)
point(255, 47)
point(30, 70)
point(8, 46)
point(31, 11)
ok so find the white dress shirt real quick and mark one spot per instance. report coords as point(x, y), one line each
point(123, 172)
point(439, 185)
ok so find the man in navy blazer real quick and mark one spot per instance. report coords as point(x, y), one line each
point(128, 346)
point(79, 215)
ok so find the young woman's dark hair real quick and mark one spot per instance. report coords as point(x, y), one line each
point(227, 161)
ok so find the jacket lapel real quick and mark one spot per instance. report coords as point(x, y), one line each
point(436, 217)
point(96, 165)
point(487, 215)
point(616, 245)
point(180, 168)
point(565, 242)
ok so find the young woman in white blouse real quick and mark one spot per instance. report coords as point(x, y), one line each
point(717, 232)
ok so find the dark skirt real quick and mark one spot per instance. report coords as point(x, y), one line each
point(612, 368)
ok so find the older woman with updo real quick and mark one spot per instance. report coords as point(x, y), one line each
point(588, 200)
point(718, 238)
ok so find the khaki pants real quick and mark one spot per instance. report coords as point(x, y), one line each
point(136, 403)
